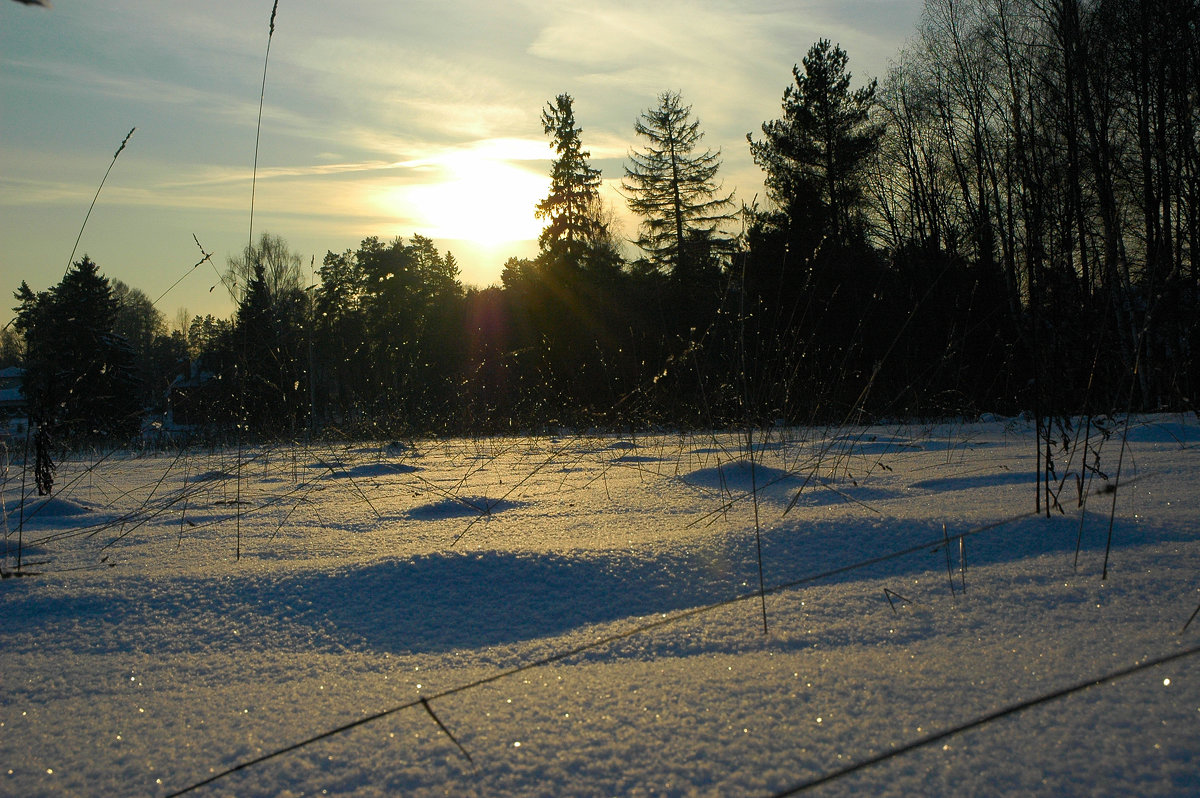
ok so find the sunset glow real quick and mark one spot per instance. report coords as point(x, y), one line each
point(378, 120)
point(474, 195)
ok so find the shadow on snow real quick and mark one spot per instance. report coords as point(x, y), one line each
point(451, 601)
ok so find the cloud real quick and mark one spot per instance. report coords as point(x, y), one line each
point(604, 35)
point(371, 106)
point(483, 190)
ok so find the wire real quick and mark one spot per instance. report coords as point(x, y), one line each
point(983, 720)
point(598, 643)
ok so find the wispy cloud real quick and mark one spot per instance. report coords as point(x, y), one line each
point(378, 113)
point(614, 34)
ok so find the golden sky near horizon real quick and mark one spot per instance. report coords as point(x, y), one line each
point(380, 119)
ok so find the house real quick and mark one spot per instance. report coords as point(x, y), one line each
point(14, 413)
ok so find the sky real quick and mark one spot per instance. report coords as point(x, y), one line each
point(380, 119)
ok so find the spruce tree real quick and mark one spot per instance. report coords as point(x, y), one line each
point(573, 205)
point(80, 380)
point(673, 188)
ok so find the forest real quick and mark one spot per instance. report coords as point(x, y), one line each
point(864, 483)
point(1005, 222)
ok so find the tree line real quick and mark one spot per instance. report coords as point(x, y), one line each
point(1006, 223)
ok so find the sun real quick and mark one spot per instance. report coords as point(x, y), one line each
point(481, 195)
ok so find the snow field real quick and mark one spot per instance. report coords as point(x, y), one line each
point(145, 657)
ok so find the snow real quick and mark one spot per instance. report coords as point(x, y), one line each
point(582, 613)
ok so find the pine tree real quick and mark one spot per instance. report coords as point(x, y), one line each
point(573, 205)
point(673, 189)
point(815, 156)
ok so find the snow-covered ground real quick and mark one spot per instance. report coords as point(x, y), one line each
point(581, 615)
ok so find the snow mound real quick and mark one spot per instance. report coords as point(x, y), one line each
point(215, 475)
point(49, 507)
point(460, 507)
point(327, 465)
point(741, 476)
point(636, 458)
point(376, 470)
point(340, 469)
point(779, 485)
point(988, 479)
point(1161, 430)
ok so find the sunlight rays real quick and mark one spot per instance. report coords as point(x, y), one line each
point(482, 194)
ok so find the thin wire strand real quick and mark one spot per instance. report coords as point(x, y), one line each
point(598, 643)
point(983, 720)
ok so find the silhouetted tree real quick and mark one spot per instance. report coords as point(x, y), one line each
point(135, 318)
point(204, 337)
point(815, 156)
point(80, 380)
point(674, 189)
point(812, 281)
point(12, 348)
point(282, 269)
point(269, 377)
point(340, 336)
point(572, 207)
point(385, 332)
point(157, 357)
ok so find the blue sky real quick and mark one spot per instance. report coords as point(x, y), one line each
point(381, 118)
